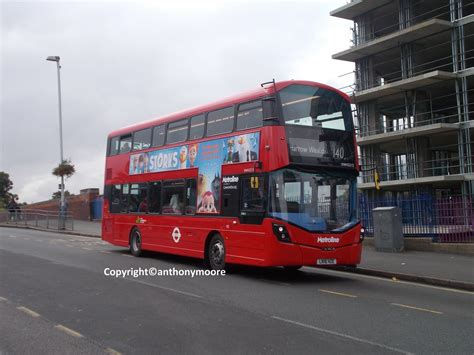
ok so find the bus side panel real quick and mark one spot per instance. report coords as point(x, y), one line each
point(107, 223)
point(183, 235)
point(245, 243)
point(273, 148)
point(279, 253)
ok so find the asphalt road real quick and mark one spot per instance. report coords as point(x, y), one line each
point(55, 298)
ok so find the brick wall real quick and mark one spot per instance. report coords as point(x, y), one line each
point(78, 205)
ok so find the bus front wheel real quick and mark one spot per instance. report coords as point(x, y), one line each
point(136, 242)
point(216, 253)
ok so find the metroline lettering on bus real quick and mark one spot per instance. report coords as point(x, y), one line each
point(265, 178)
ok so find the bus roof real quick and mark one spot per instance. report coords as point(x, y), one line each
point(260, 92)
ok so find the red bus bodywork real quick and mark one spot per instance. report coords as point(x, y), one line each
point(251, 244)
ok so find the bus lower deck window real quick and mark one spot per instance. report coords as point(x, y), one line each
point(173, 197)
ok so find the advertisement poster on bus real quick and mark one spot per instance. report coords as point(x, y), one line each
point(207, 156)
point(159, 160)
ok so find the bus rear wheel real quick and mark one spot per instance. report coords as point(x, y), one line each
point(216, 253)
point(136, 242)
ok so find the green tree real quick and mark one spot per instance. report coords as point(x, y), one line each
point(5, 186)
point(64, 169)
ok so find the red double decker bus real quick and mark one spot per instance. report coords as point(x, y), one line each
point(264, 178)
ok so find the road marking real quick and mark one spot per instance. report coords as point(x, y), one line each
point(130, 256)
point(39, 240)
point(346, 274)
point(416, 308)
point(70, 246)
point(338, 293)
point(112, 351)
point(275, 282)
point(3, 299)
point(104, 252)
point(66, 330)
point(342, 335)
point(86, 248)
point(165, 288)
point(12, 236)
point(28, 311)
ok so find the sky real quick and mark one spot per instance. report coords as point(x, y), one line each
point(128, 62)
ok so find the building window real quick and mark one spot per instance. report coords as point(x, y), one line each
point(250, 115)
point(158, 135)
point(142, 139)
point(177, 131)
point(196, 129)
point(125, 143)
point(173, 197)
point(154, 197)
point(220, 121)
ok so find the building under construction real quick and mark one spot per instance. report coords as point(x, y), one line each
point(413, 89)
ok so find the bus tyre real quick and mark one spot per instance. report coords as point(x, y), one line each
point(216, 253)
point(136, 242)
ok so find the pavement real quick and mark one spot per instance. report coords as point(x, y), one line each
point(440, 269)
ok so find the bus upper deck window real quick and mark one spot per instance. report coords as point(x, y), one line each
point(177, 131)
point(158, 135)
point(114, 146)
point(196, 129)
point(220, 121)
point(250, 115)
point(142, 139)
point(125, 143)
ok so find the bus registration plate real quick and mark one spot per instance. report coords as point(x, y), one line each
point(326, 262)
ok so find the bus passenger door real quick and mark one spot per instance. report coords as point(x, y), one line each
point(153, 232)
point(243, 197)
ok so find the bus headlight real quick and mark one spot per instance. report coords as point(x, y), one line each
point(362, 233)
point(281, 233)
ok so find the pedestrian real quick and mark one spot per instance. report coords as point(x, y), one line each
point(12, 207)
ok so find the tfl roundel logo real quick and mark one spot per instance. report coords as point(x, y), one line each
point(176, 234)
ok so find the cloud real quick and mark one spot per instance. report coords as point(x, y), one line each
point(126, 62)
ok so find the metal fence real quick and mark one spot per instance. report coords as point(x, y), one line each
point(445, 220)
point(36, 218)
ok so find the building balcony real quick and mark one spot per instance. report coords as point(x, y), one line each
point(395, 39)
point(356, 8)
point(437, 172)
point(399, 86)
point(403, 184)
point(424, 129)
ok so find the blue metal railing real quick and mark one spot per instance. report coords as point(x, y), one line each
point(447, 219)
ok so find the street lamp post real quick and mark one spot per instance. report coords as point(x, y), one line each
point(62, 204)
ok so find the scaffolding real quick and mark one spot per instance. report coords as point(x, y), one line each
point(444, 103)
point(413, 90)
